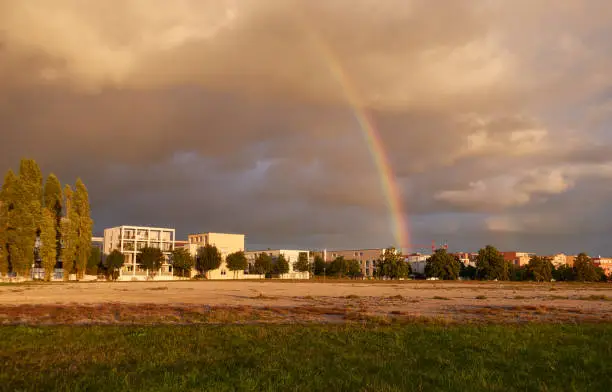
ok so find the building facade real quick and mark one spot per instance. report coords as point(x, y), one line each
point(130, 240)
point(367, 258)
point(291, 255)
point(417, 262)
point(517, 258)
point(605, 263)
point(225, 243)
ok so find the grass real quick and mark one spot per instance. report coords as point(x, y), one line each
point(414, 357)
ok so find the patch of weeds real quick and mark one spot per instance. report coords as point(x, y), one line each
point(309, 297)
point(442, 298)
point(552, 289)
point(398, 297)
point(352, 296)
point(519, 297)
point(481, 297)
point(157, 288)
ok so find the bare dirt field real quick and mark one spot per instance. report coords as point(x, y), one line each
point(187, 302)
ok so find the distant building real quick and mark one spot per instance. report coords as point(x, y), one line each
point(417, 262)
point(467, 259)
point(226, 243)
point(130, 240)
point(290, 255)
point(560, 259)
point(605, 263)
point(367, 258)
point(98, 242)
point(518, 259)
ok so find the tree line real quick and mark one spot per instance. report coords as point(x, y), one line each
point(207, 258)
point(491, 265)
point(42, 225)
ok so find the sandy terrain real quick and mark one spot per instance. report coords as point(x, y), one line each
point(266, 301)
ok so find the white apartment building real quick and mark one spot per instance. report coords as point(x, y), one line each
point(417, 262)
point(130, 240)
point(226, 243)
point(291, 255)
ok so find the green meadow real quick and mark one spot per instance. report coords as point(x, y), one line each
point(414, 357)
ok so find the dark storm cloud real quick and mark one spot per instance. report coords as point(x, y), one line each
point(231, 115)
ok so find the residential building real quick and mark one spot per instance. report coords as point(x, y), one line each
point(291, 255)
point(558, 259)
point(517, 258)
point(467, 259)
point(417, 262)
point(98, 242)
point(367, 258)
point(605, 263)
point(130, 240)
point(226, 243)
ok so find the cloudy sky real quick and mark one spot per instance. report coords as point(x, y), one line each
point(228, 115)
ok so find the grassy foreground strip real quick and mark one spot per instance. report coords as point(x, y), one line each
point(308, 358)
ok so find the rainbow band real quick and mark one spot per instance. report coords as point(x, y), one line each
point(373, 141)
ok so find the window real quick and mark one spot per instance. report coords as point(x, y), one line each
point(223, 272)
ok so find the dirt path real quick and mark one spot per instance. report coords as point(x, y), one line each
point(266, 301)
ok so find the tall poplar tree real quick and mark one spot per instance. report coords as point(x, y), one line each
point(83, 227)
point(7, 228)
point(28, 204)
point(69, 234)
point(54, 202)
point(48, 238)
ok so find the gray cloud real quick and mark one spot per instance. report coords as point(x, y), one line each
point(240, 115)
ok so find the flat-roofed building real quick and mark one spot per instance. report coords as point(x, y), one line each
point(518, 258)
point(226, 243)
point(291, 255)
point(130, 240)
point(605, 263)
point(417, 262)
point(367, 258)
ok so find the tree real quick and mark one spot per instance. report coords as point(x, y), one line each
point(281, 266)
point(392, 265)
point(540, 269)
point(150, 259)
point(182, 262)
point(564, 273)
point(338, 267)
point(28, 205)
point(69, 234)
point(517, 273)
point(48, 244)
point(585, 270)
point(54, 202)
point(7, 223)
point(490, 264)
point(263, 263)
point(93, 262)
point(467, 271)
point(442, 265)
point(236, 261)
point(319, 265)
point(208, 259)
point(113, 263)
point(354, 269)
point(83, 226)
point(302, 264)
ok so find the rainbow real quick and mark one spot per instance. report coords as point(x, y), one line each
point(374, 143)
